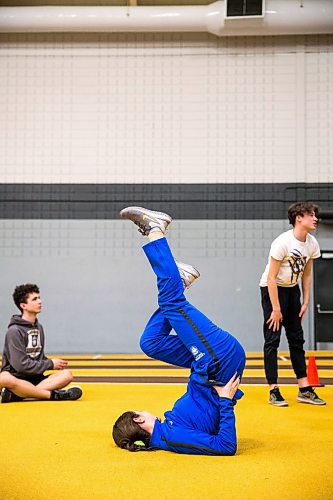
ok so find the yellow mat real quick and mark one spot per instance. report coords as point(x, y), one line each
point(64, 450)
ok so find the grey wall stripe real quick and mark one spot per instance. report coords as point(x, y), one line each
point(183, 201)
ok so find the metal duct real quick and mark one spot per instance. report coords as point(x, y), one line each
point(281, 17)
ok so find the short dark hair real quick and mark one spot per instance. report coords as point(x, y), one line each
point(126, 433)
point(301, 208)
point(22, 292)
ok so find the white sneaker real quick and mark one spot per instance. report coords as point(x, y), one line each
point(146, 219)
point(187, 273)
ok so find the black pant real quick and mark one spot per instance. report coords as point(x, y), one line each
point(290, 304)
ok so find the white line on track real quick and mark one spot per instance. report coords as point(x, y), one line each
point(283, 358)
point(97, 356)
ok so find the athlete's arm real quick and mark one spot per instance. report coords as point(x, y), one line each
point(276, 315)
point(20, 361)
point(58, 363)
point(228, 390)
point(306, 285)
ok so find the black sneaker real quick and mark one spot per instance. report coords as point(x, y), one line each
point(8, 396)
point(70, 394)
point(276, 399)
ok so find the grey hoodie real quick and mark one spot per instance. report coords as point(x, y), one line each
point(23, 353)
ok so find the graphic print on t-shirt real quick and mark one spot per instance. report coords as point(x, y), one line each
point(293, 255)
point(34, 346)
point(297, 263)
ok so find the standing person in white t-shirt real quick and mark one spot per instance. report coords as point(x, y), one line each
point(289, 264)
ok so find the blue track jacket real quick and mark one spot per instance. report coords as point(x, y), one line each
point(200, 422)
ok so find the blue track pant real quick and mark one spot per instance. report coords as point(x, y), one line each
point(198, 342)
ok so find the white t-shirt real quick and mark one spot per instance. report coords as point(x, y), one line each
point(294, 255)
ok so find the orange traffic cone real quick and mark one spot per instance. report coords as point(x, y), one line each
point(312, 373)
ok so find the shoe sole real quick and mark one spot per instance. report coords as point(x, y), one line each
point(309, 402)
point(127, 213)
point(189, 269)
point(280, 404)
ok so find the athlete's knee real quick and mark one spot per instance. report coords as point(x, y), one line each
point(295, 336)
point(271, 338)
point(7, 380)
point(148, 340)
point(296, 342)
point(67, 375)
point(147, 346)
point(272, 343)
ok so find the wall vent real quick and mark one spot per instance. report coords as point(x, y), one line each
point(244, 8)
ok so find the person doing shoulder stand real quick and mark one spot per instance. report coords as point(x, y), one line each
point(23, 360)
point(289, 264)
point(202, 421)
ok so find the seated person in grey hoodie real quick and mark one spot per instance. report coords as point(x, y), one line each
point(23, 359)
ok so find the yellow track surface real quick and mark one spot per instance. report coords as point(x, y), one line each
point(64, 450)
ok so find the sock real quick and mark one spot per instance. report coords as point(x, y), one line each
point(306, 389)
point(53, 394)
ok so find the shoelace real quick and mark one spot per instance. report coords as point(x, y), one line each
point(277, 394)
point(142, 229)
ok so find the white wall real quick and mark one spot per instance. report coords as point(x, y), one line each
point(165, 108)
